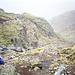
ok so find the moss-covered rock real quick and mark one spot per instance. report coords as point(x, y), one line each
point(35, 63)
point(8, 70)
point(24, 30)
point(48, 57)
point(68, 54)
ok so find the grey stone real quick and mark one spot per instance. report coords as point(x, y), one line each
point(8, 70)
point(2, 52)
point(35, 63)
point(19, 49)
point(61, 71)
point(11, 48)
point(1, 48)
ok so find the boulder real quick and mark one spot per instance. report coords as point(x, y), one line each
point(3, 49)
point(35, 63)
point(20, 49)
point(8, 70)
point(17, 49)
point(11, 47)
point(61, 71)
point(36, 68)
point(3, 46)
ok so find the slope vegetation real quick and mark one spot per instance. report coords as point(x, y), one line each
point(24, 30)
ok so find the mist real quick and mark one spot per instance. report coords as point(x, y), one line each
point(41, 8)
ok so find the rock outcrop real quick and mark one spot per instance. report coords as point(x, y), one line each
point(25, 31)
point(61, 71)
point(35, 63)
point(8, 70)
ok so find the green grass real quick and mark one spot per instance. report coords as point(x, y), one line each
point(38, 51)
point(8, 32)
point(68, 54)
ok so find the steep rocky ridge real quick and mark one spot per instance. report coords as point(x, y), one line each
point(4, 16)
point(24, 30)
point(64, 24)
point(42, 24)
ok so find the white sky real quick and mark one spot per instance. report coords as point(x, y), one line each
point(42, 8)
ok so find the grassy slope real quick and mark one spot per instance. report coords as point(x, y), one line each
point(37, 30)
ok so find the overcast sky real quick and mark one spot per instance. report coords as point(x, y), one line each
point(41, 8)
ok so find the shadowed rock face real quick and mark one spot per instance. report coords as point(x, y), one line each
point(64, 24)
point(24, 30)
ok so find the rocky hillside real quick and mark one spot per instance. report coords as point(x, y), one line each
point(64, 24)
point(24, 30)
point(6, 16)
point(29, 46)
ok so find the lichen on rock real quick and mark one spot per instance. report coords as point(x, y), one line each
point(8, 70)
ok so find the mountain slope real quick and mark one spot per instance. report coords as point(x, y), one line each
point(64, 24)
point(6, 16)
point(24, 30)
point(41, 23)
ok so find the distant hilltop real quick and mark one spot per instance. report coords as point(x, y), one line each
point(64, 24)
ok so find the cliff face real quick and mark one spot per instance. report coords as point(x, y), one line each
point(24, 30)
point(64, 24)
point(42, 24)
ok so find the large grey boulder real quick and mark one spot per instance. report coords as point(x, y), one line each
point(35, 63)
point(61, 71)
point(17, 49)
point(8, 70)
point(3, 49)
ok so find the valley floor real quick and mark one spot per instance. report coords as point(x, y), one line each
point(48, 59)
